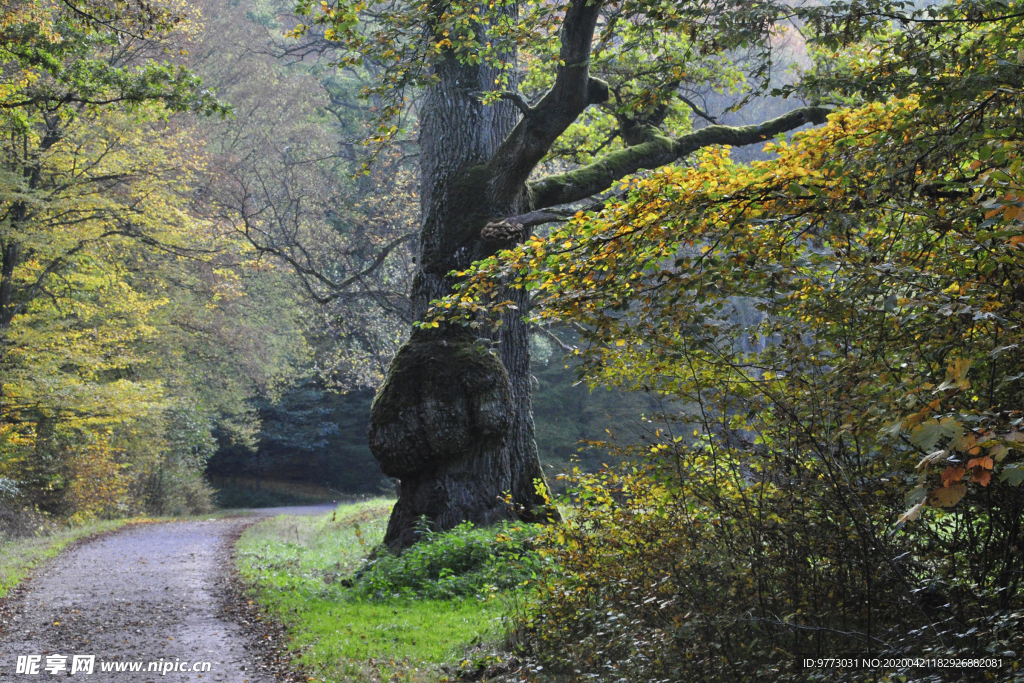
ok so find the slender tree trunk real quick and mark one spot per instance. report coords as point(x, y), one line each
point(451, 422)
point(8, 261)
point(259, 471)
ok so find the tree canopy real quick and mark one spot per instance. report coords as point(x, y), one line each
point(842, 320)
point(894, 228)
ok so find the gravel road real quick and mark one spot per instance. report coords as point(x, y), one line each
point(146, 593)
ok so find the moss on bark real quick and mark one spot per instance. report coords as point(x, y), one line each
point(445, 397)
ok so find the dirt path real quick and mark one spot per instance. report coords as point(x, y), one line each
point(147, 593)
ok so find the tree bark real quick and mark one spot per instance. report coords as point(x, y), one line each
point(453, 420)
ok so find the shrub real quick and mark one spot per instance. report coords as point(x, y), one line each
point(696, 568)
point(19, 521)
point(466, 561)
point(176, 492)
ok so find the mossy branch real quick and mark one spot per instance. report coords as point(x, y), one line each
point(657, 151)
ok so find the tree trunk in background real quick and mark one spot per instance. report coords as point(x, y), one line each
point(453, 424)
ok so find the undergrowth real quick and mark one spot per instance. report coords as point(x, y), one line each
point(466, 561)
point(393, 618)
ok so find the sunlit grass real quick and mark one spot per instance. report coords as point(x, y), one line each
point(298, 566)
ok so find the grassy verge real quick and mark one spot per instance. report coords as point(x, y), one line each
point(19, 557)
point(382, 628)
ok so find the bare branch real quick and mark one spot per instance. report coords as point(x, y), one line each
point(305, 272)
point(550, 336)
point(535, 218)
point(697, 110)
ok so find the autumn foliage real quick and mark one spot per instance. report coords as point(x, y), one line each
point(129, 322)
point(843, 323)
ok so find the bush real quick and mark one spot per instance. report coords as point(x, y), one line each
point(176, 492)
point(466, 561)
point(17, 521)
point(695, 569)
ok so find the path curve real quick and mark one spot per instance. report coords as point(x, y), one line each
point(146, 593)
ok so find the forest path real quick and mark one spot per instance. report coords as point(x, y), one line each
point(145, 593)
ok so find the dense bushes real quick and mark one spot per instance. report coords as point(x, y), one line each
point(466, 561)
point(74, 473)
point(695, 569)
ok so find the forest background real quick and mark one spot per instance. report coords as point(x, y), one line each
point(175, 295)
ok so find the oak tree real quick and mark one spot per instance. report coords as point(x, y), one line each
point(500, 85)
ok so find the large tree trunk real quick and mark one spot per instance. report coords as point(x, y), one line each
point(451, 422)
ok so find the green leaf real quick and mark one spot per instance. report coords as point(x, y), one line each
point(927, 434)
point(1013, 474)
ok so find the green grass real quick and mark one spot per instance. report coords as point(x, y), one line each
point(19, 557)
point(299, 568)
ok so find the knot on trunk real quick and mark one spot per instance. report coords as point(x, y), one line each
point(445, 397)
point(503, 232)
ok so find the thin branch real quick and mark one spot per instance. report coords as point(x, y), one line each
point(696, 110)
point(550, 336)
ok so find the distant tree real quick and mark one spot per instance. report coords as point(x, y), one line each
point(282, 177)
point(66, 64)
point(65, 67)
point(127, 322)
